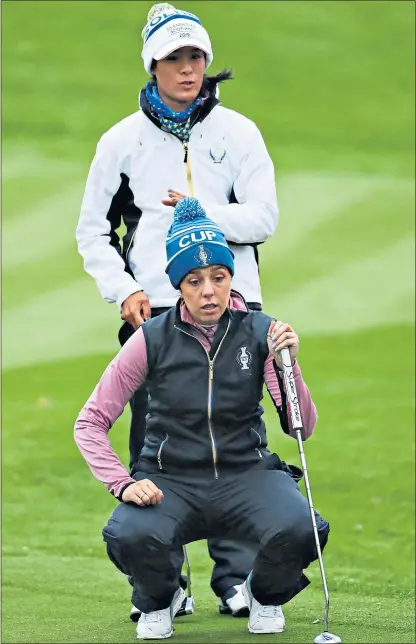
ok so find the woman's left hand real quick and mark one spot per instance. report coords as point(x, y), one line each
point(174, 198)
point(282, 335)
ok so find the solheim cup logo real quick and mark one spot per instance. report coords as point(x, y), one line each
point(217, 154)
point(203, 255)
point(244, 358)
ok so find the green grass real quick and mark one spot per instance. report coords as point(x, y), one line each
point(331, 86)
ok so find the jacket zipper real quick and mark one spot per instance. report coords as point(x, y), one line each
point(210, 381)
point(159, 454)
point(190, 190)
point(188, 169)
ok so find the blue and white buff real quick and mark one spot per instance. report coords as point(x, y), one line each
point(179, 123)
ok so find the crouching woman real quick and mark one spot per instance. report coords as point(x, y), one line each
point(205, 470)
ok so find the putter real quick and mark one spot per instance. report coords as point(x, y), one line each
point(325, 637)
point(188, 604)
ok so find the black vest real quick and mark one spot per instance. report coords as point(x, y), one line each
point(204, 409)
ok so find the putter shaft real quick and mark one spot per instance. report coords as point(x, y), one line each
point(297, 425)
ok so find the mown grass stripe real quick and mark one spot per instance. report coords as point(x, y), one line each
point(368, 292)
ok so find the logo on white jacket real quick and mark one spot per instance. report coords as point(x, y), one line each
point(217, 154)
point(244, 358)
point(196, 238)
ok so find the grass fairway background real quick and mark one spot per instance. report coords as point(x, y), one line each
point(331, 85)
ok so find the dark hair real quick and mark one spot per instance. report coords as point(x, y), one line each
point(209, 81)
point(225, 74)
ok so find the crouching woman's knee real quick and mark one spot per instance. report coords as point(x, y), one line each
point(297, 539)
point(302, 532)
point(296, 533)
point(133, 536)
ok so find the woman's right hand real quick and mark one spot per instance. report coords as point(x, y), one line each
point(136, 309)
point(174, 198)
point(142, 493)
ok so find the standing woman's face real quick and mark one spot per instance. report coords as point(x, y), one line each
point(179, 77)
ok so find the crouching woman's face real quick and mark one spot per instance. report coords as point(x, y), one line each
point(206, 293)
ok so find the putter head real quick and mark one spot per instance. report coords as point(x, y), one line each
point(327, 638)
point(187, 608)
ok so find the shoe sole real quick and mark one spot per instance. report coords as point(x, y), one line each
point(264, 632)
point(154, 637)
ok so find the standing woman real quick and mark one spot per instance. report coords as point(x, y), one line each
point(180, 142)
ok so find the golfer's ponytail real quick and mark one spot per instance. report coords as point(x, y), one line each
point(224, 75)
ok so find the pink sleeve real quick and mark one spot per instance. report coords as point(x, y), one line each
point(126, 373)
point(307, 407)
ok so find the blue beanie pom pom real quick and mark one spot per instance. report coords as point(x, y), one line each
point(188, 209)
point(194, 241)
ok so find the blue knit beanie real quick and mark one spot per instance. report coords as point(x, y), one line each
point(194, 241)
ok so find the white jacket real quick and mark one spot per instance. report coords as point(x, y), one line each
point(136, 163)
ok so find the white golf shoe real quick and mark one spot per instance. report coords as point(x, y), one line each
point(187, 607)
point(157, 625)
point(262, 619)
point(235, 605)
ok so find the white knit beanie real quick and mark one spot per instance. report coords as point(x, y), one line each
point(168, 29)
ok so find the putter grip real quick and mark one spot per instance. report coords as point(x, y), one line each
point(291, 392)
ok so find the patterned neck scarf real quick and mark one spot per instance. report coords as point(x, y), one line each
point(178, 123)
point(208, 331)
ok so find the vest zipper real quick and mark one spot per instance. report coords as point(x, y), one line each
point(256, 432)
point(188, 169)
point(159, 454)
point(211, 433)
point(210, 381)
point(257, 448)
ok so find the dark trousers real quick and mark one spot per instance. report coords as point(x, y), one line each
point(261, 506)
point(232, 561)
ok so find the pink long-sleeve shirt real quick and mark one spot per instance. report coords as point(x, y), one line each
point(124, 375)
